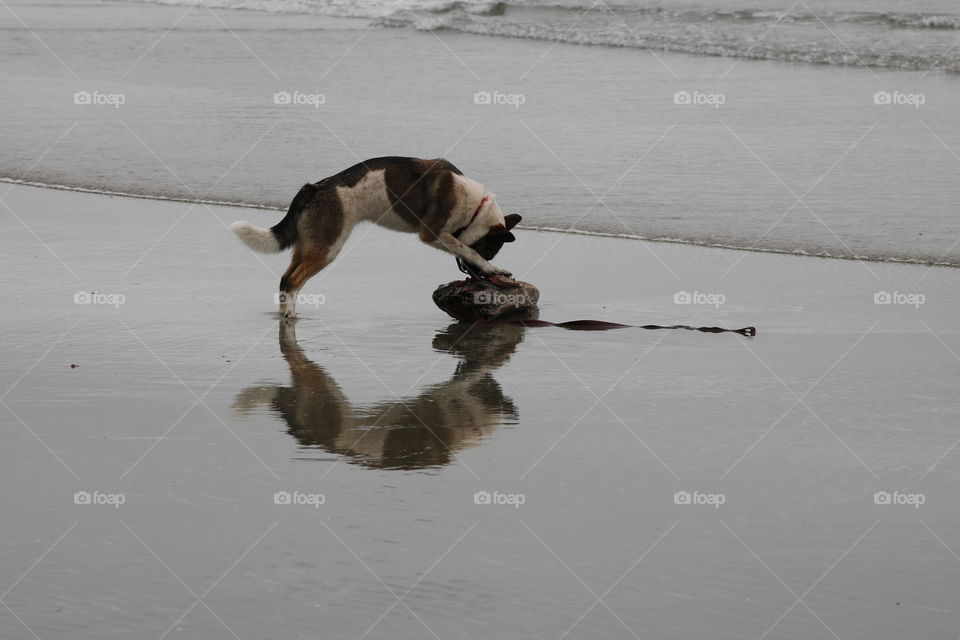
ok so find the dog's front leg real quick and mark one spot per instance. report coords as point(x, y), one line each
point(447, 242)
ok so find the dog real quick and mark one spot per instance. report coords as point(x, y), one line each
point(415, 432)
point(429, 197)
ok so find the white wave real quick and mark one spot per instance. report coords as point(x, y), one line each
point(876, 39)
point(340, 8)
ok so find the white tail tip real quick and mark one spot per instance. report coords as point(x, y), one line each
point(261, 240)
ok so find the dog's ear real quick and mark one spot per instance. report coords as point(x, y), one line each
point(501, 233)
point(512, 220)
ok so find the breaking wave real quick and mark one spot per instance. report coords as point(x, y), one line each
point(893, 40)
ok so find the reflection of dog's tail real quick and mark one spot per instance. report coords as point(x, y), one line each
point(251, 398)
point(281, 235)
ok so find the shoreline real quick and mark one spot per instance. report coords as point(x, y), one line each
point(579, 232)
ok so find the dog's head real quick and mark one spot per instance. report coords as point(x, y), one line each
point(490, 244)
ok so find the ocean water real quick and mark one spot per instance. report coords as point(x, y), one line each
point(812, 128)
point(880, 33)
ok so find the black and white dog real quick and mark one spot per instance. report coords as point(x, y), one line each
point(430, 197)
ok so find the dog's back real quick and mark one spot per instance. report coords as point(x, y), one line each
point(394, 191)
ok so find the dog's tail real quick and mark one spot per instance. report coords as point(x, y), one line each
point(283, 234)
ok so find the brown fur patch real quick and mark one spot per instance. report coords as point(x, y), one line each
point(304, 267)
point(422, 193)
point(294, 263)
point(321, 222)
point(441, 207)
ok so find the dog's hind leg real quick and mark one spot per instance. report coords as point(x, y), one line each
point(288, 302)
point(303, 266)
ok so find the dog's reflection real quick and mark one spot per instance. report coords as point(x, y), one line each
point(404, 433)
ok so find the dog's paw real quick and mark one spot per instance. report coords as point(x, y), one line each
point(497, 271)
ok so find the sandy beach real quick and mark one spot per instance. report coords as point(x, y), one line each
point(649, 483)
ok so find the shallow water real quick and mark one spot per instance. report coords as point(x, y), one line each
point(798, 158)
point(194, 402)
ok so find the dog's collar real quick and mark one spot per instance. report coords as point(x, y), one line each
point(483, 201)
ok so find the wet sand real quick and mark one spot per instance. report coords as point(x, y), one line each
point(193, 404)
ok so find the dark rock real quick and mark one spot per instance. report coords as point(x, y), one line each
point(496, 298)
